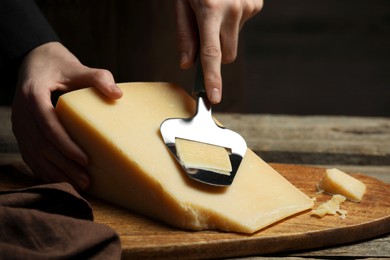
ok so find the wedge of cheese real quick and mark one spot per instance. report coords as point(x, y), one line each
point(337, 182)
point(130, 165)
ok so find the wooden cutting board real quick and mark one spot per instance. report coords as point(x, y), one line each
point(146, 238)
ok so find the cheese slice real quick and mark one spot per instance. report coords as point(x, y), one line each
point(203, 156)
point(338, 182)
point(130, 165)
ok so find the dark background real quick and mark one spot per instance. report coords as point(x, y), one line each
point(320, 57)
point(295, 57)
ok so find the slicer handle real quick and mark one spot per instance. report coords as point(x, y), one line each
point(199, 88)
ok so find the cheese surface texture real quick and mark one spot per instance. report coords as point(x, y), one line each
point(203, 156)
point(338, 182)
point(130, 165)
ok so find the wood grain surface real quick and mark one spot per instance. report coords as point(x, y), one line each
point(147, 238)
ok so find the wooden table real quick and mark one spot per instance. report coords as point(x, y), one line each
point(353, 144)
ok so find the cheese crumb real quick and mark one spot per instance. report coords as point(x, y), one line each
point(338, 182)
point(331, 207)
point(203, 156)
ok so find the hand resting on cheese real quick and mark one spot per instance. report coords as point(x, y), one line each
point(43, 142)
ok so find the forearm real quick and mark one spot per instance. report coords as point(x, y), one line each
point(22, 29)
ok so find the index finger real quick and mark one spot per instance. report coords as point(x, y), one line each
point(211, 55)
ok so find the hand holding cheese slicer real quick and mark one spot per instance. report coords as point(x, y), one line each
point(203, 129)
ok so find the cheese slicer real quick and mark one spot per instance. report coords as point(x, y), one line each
point(203, 129)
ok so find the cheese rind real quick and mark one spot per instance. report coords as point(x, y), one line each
point(130, 165)
point(338, 182)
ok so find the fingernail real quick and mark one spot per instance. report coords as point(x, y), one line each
point(84, 182)
point(117, 91)
point(184, 60)
point(215, 96)
point(82, 159)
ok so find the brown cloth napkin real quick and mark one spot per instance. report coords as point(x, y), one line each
point(52, 221)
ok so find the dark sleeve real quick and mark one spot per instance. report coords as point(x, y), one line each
point(22, 28)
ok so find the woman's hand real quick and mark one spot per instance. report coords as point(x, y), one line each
point(43, 142)
point(215, 24)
